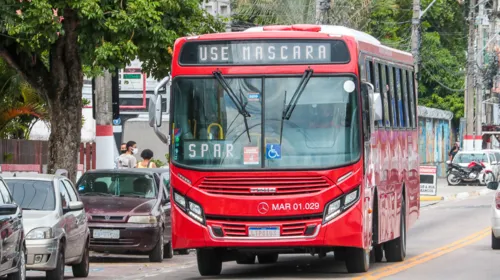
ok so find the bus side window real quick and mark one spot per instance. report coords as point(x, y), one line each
point(411, 93)
point(380, 89)
point(414, 96)
point(392, 97)
point(406, 100)
point(386, 96)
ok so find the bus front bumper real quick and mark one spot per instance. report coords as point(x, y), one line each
point(345, 230)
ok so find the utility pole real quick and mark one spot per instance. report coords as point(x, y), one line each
point(478, 143)
point(469, 93)
point(491, 47)
point(322, 7)
point(415, 34)
point(104, 122)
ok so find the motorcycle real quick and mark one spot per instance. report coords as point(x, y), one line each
point(475, 171)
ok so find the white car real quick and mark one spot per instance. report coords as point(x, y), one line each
point(495, 217)
point(494, 156)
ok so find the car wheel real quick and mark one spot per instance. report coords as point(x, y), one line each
point(495, 242)
point(168, 251)
point(157, 254)
point(395, 250)
point(267, 258)
point(82, 269)
point(209, 262)
point(20, 274)
point(58, 272)
point(357, 260)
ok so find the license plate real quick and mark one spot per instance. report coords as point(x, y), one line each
point(264, 232)
point(106, 233)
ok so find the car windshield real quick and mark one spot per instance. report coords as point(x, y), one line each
point(469, 157)
point(32, 194)
point(214, 129)
point(116, 184)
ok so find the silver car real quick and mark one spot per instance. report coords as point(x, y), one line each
point(55, 223)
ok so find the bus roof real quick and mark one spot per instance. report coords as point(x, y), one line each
point(366, 41)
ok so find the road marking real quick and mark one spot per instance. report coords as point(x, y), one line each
point(425, 257)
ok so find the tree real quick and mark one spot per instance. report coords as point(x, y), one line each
point(53, 43)
point(351, 13)
point(443, 45)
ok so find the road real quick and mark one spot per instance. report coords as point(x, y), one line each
point(451, 240)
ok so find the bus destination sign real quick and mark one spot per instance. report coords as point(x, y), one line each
point(264, 52)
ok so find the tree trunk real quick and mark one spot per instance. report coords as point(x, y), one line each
point(65, 99)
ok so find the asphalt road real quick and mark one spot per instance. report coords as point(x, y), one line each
point(451, 240)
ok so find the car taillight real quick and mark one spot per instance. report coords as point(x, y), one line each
point(497, 200)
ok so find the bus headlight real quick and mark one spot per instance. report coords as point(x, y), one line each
point(340, 204)
point(193, 209)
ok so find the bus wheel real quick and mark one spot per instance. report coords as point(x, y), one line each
point(357, 260)
point(395, 250)
point(267, 258)
point(209, 262)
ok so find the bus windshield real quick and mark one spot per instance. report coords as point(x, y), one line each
point(246, 128)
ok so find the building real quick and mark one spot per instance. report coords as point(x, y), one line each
point(220, 8)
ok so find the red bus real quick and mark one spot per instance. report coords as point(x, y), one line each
point(291, 139)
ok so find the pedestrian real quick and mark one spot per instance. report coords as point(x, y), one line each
point(146, 162)
point(128, 160)
point(454, 150)
point(123, 149)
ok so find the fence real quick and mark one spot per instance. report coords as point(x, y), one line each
point(34, 155)
point(435, 138)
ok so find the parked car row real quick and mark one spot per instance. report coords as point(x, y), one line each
point(46, 223)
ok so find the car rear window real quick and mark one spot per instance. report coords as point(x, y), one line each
point(468, 157)
point(117, 184)
point(32, 194)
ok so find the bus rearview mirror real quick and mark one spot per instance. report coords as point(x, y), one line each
point(151, 111)
point(377, 106)
point(158, 116)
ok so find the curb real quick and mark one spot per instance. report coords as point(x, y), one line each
point(461, 195)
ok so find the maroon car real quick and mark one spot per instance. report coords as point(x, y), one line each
point(128, 211)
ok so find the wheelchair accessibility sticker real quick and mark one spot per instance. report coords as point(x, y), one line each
point(273, 151)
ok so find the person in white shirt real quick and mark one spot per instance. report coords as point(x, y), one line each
point(128, 160)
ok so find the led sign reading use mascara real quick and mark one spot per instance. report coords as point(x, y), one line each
point(264, 52)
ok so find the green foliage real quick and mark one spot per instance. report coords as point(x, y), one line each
point(110, 33)
point(443, 43)
point(158, 162)
point(21, 106)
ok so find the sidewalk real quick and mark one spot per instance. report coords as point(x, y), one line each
point(445, 192)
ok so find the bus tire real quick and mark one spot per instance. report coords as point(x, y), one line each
point(395, 250)
point(357, 260)
point(209, 262)
point(495, 242)
point(267, 258)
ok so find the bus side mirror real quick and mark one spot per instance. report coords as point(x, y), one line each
point(158, 115)
point(151, 111)
point(376, 106)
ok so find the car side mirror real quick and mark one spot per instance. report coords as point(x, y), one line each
point(492, 185)
point(8, 209)
point(75, 206)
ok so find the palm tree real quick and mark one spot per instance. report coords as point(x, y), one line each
point(21, 105)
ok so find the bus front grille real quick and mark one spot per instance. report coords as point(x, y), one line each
point(265, 186)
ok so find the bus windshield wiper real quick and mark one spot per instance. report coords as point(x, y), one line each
point(237, 102)
point(287, 113)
